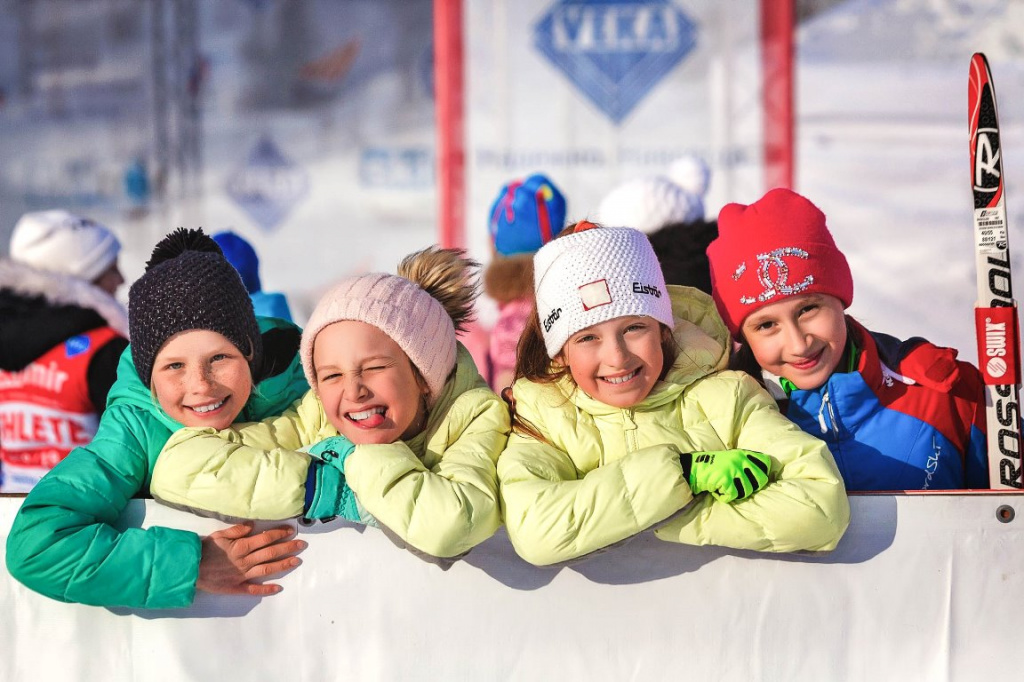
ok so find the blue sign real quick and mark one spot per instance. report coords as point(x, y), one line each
point(615, 51)
point(268, 186)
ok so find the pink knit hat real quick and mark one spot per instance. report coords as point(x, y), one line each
point(414, 319)
point(777, 247)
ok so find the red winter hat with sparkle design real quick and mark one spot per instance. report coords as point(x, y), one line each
point(777, 247)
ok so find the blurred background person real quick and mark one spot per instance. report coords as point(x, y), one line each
point(242, 256)
point(525, 215)
point(61, 335)
point(670, 209)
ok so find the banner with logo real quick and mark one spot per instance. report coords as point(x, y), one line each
point(595, 93)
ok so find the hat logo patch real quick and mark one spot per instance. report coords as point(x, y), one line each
point(595, 294)
point(773, 273)
point(648, 289)
point(552, 317)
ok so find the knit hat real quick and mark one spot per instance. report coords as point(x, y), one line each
point(414, 319)
point(58, 241)
point(777, 247)
point(242, 257)
point(692, 174)
point(189, 285)
point(594, 275)
point(526, 215)
point(648, 204)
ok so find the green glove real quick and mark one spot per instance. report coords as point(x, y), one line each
point(729, 475)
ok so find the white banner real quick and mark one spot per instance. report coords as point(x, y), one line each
point(922, 587)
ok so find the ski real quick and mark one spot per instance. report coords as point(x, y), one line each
point(995, 314)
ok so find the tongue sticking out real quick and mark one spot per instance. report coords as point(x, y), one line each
point(373, 421)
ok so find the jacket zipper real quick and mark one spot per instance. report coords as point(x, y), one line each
point(826, 403)
point(629, 425)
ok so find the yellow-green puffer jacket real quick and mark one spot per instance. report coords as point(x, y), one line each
point(609, 473)
point(438, 491)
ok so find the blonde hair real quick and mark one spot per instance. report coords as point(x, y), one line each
point(449, 277)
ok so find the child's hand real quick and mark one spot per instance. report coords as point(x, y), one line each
point(333, 451)
point(729, 475)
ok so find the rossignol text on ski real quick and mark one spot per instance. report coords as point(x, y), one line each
point(995, 315)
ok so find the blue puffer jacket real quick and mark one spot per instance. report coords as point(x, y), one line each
point(911, 417)
point(63, 543)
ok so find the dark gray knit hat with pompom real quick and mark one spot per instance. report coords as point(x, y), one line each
point(188, 285)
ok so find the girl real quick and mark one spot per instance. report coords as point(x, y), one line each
point(524, 216)
point(621, 419)
point(199, 357)
point(412, 430)
point(896, 415)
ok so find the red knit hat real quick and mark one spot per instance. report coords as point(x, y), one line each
point(778, 246)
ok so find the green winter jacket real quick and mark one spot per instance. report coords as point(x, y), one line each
point(64, 543)
point(610, 473)
point(438, 492)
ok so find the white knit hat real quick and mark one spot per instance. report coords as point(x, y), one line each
point(594, 275)
point(649, 204)
point(691, 173)
point(414, 319)
point(58, 241)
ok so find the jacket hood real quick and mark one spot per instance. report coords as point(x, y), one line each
point(63, 290)
point(466, 377)
point(40, 310)
point(704, 346)
point(267, 398)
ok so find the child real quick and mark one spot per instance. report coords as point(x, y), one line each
point(242, 256)
point(198, 357)
point(622, 419)
point(896, 415)
point(419, 429)
point(525, 215)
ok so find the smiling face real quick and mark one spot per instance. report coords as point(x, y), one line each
point(201, 379)
point(801, 338)
point(616, 362)
point(367, 385)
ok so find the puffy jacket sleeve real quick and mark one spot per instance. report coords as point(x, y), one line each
point(804, 506)
point(63, 543)
point(555, 513)
point(249, 471)
point(446, 503)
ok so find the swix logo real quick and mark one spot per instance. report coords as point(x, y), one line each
point(995, 347)
point(615, 51)
point(773, 272)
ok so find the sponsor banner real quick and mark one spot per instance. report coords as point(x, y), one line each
point(922, 587)
point(597, 93)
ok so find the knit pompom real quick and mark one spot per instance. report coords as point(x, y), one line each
point(180, 241)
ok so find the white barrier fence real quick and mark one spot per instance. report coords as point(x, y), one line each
point(922, 587)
